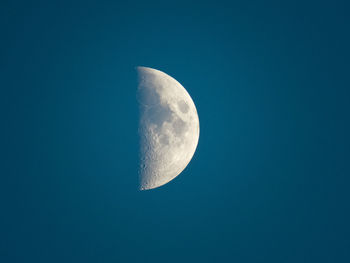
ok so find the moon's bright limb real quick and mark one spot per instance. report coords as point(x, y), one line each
point(168, 127)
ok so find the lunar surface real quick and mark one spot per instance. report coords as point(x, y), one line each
point(168, 128)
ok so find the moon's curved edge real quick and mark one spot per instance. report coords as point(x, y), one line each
point(141, 70)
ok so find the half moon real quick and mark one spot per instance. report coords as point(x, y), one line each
point(168, 128)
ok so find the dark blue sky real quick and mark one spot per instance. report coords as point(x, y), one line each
point(269, 181)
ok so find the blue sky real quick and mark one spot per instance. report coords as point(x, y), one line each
point(268, 182)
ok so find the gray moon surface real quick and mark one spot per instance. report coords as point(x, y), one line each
point(168, 128)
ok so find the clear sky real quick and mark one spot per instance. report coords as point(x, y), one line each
point(269, 181)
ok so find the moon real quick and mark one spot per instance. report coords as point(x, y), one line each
point(168, 128)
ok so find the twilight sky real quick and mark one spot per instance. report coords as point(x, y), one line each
point(269, 180)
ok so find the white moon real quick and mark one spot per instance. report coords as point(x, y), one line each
point(168, 127)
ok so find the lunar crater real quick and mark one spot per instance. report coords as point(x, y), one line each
point(164, 139)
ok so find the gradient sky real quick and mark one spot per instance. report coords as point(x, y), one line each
point(269, 181)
